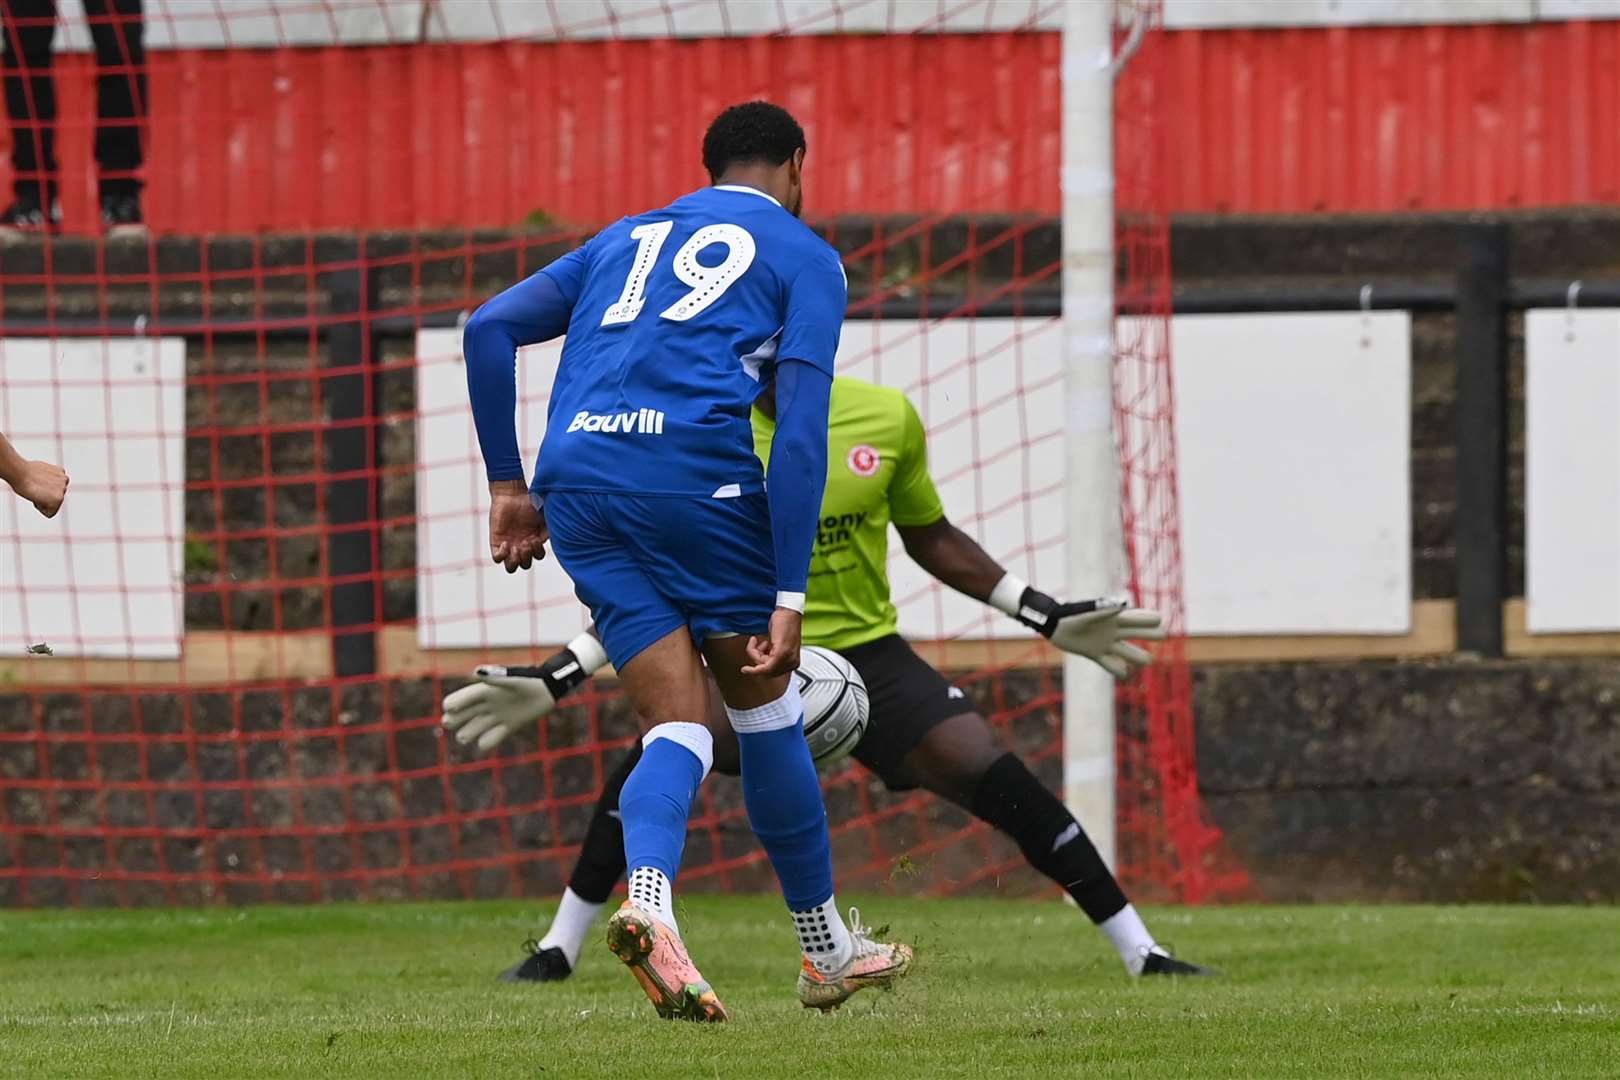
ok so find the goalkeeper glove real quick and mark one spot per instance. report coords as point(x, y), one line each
point(502, 700)
point(1096, 629)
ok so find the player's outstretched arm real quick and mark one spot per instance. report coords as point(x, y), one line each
point(41, 483)
point(502, 700)
point(1098, 629)
point(534, 310)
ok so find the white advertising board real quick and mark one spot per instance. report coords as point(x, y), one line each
point(1572, 470)
point(1293, 460)
point(104, 577)
point(463, 599)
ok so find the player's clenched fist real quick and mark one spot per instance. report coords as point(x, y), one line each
point(517, 531)
point(776, 653)
point(43, 484)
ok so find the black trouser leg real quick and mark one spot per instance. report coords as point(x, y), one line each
point(1012, 799)
point(31, 96)
point(118, 30)
point(601, 856)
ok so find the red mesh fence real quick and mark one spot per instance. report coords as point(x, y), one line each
point(1174, 847)
point(270, 566)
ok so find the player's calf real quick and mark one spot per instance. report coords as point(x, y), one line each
point(1013, 800)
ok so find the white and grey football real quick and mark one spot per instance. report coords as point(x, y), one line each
point(836, 709)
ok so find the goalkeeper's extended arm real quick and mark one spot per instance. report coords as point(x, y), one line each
point(1097, 629)
point(502, 700)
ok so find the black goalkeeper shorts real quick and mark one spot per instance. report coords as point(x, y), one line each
point(909, 699)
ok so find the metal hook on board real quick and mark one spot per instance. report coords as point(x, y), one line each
point(1572, 297)
point(141, 353)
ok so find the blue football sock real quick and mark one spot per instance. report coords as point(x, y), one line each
point(783, 797)
point(658, 796)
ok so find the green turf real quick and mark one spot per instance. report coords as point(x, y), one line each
point(1001, 988)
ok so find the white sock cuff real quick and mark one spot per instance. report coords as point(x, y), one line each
point(587, 649)
point(570, 925)
point(650, 891)
point(695, 737)
point(823, 937)
point(1007, 593)
point(1129, 936)
point(784, 712)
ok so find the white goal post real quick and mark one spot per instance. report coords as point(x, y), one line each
point(1093, 491)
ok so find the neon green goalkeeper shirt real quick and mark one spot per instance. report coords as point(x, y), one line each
point(877, 472)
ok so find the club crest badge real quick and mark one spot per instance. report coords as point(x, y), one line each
point(863, 460)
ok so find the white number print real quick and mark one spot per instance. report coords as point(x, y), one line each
point(649, 242)
point(709, 283)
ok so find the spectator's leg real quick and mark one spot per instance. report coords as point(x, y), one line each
point(118, 30)
point(31, 97)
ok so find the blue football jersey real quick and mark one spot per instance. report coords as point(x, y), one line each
point(677, 317)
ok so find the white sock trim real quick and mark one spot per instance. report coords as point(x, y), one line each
point(651, 891)
point(695, 737)
point(823, 937)
point(570, 926)
point(1129, 935)
point(589, 652)
point(1008, 591)
point(784, 712)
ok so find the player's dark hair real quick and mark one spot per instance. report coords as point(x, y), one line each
point(755, 131)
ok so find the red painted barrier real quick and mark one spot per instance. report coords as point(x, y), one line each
point(1275, 121)
point(1398, 118)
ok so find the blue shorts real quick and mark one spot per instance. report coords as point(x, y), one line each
point(647, 565)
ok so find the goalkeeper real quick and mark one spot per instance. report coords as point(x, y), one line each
point(923, 732)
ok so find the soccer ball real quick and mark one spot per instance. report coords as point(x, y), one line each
point(835, 705)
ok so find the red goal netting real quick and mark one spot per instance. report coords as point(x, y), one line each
point(220, 666)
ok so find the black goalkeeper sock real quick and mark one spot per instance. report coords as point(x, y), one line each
point(601, 857)
point(1014, 801)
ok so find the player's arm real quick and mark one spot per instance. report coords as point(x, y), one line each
point(798, 473)
point(953, 557)
point(798, 464)
point(1097, 629)
point(534, 310)
point(501, 700)
point(41, 483)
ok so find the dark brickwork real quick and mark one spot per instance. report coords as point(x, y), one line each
point(1435, 780)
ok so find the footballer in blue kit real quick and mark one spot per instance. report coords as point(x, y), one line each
point(654, 502)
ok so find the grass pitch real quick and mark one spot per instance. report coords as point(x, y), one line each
point(1002, 988)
